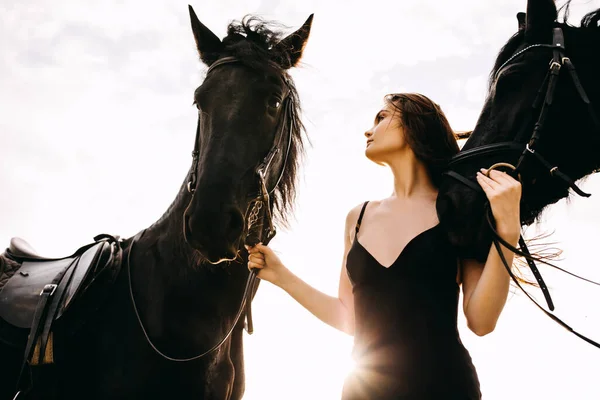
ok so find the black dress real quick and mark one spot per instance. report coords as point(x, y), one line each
point(406, 341)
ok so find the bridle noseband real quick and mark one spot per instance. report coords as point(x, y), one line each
point(528, 149)
point(259, 207)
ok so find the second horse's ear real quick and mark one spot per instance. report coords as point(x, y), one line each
point(290, 49)
point(522, 18)
point(541, 15)
point(208, 44)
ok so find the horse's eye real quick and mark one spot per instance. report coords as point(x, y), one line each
point(509, 72)
point(508, 80)
point(274, 102)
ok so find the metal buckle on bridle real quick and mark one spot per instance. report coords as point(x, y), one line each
point(49, 289)
point(555, 66)
point(529, 149)
point(192, 182)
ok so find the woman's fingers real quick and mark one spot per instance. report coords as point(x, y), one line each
point(258, 248)
point(263, 249)
point(500, 177)
point(257, 259)
point(487, 184)
point(504, 179)
point(498, 181)
point(494, 179)
point(252, 265)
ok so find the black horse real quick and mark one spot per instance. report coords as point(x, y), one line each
point(540, 121)
point(170, 327)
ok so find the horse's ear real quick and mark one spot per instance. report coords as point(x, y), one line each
point(208, 44)
point(521, 17)
point(293, 45)
point(541, 15)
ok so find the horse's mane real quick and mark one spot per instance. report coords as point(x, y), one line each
point(588, 25)
point(253, 41)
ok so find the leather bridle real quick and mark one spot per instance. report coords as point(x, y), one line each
point(259, 210)
point(262, 203)
point(544, 99)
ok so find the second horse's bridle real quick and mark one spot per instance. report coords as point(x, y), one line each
point(259, 208)
point(528, 149)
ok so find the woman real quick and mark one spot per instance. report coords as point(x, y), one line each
point(400, 278)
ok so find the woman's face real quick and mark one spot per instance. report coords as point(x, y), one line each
point(386, 138)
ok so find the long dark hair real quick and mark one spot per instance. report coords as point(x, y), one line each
point(427, 131)
point(429, 135)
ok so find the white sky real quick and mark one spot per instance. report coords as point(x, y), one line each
point(96, 128)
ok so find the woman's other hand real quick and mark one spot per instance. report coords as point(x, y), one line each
point(504, 195)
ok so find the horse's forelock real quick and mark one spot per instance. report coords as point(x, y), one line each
point(253, 40)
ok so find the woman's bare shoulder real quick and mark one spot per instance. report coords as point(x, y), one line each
point(354, 211)
point(352, 216)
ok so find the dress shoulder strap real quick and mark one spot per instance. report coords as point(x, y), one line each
point(360, 217)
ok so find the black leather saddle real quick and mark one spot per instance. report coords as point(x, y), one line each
point(40, 290)
point(19, 248)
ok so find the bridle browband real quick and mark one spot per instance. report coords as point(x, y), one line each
point(528, 149)
point(259, 208)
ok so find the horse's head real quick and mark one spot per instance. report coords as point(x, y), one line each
point(521, 101)
point(249, 134)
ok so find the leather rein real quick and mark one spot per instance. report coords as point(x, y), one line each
point(544, 99)
point(259, 210)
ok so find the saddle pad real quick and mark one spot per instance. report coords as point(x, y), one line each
point(19, 297)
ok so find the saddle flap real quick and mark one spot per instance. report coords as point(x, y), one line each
point(87, 264)
point(20, 296)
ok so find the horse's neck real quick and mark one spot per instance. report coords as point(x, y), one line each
point(170, 282)
point(172, 219)
point(174, 298)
